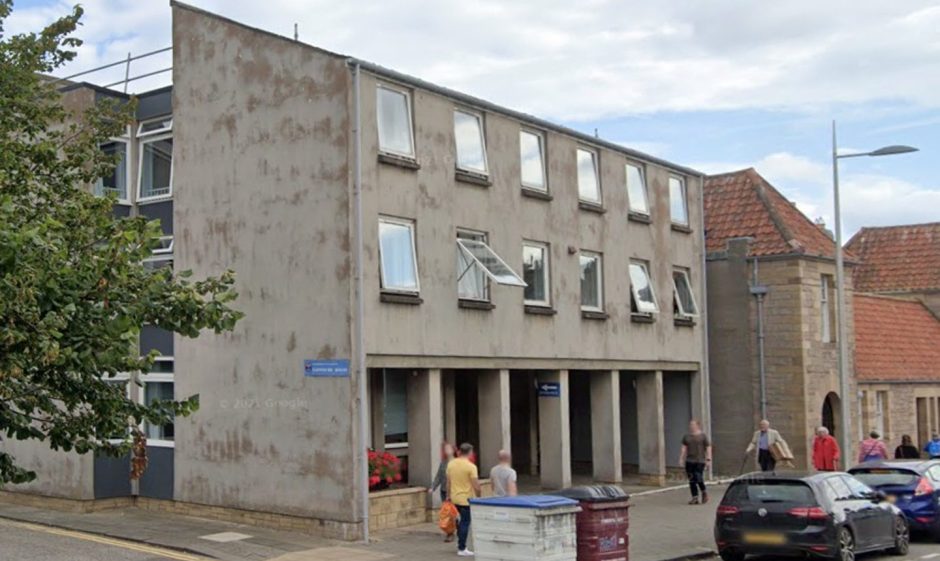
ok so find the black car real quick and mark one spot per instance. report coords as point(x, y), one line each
point(828, 515)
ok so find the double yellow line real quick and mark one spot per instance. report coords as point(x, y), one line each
point(123, 544)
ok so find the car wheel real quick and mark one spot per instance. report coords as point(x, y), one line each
point(902, 536)
point(731, 555)
point(845, 545)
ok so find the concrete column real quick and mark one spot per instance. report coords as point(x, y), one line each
point(377, 408)
point(495, 435)
point(425, 426)
point(450, 406)
point(555, 433)
point(605, 426)
point(651, 427)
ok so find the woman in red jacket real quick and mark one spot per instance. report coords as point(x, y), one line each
point(825, 451)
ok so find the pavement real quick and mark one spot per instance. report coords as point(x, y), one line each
point(662, 527)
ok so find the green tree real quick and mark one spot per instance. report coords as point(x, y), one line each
point(73, 291)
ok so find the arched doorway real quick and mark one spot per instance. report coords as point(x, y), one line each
point(830, 413)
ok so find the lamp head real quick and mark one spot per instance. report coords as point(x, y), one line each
point(892, 150)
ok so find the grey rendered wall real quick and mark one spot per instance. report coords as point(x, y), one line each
point(439, 205)
point(677, 412)
point(261, 169)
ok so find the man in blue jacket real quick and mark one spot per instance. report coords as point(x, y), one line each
point(933, 447)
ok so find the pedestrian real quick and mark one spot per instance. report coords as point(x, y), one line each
point(463, 483)
point(933, 447)
point(440, 481)
point(825, 451)
point(503, 476)
point(764, 441)
point(872, 449)
point(907, 450)
point(695, 455)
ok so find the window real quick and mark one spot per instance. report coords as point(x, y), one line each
point(121, 383)
point(393, 109)
point(827, 308)
point(592, 282)
point(636, 190)
point(116, 181)
point(535, 273)
point(678, 206)
point(641, 287)
point(399, 266)
point(158, 261)
point(155, 178)
point(532, 158)
point(684, 297)
point(881, 416)
point(166, 246)
point(839, 491)
point(396, 408)
point(158, 385)
point(589, 188)
point(476, 262)
point(471, 147)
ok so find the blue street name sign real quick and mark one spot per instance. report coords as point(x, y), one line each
point(326, 368)
point(549, 389)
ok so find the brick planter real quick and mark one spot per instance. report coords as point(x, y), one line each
point(396, 508)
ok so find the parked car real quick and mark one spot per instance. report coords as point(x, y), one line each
point(912, 485)
point(828, 515)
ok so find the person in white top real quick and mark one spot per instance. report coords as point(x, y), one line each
point(503, 476)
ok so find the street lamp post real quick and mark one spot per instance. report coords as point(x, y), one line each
point(844, 389)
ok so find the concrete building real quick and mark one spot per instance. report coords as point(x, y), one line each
point(415, 264)
point(897, 357)
point(772, 327)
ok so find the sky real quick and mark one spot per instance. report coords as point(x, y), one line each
point(718, 86)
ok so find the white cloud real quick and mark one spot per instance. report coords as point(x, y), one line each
point(592, 59)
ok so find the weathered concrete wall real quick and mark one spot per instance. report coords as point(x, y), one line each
point(439, 205)
point(261, 158)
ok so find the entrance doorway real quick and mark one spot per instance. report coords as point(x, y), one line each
point(830, 413)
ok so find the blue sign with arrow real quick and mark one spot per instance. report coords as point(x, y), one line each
point(549, 389)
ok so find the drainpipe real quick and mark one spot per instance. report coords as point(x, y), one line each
point(362, 396)
point(706, 382)
point(759, 291)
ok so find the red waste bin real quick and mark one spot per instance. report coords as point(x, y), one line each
point(603, 523)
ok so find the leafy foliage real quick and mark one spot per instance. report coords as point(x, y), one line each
point(73, 291)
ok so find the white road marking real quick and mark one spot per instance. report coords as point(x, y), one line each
point(225, 537)
point(930, 556)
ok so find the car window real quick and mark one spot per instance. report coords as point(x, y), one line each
point(886, 476)
point(765, 492)
point(859, 490)
point(840, 490)
point(934, 474)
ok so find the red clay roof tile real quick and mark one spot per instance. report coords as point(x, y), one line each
point(895, 339)
point(897, 258)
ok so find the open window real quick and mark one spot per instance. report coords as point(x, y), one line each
point(636, 190)
point(471, 145)
point(155, 176)
point(641, 288)
point(684, 298)
point(481, 258)
point(116, 181)
point(393, 109)
point(532, 160)
point(397, 254)
point(678, 204)
point(589, 187)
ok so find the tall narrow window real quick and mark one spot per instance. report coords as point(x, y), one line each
point(396, 408)
point(684, 298)
point(636, 190)
point(532, 158)
point(471, 146)
point(827, 308)
point(399, 266)
point(158, 386)
point(471, 280)
point(592, 282)
point(535, 273)
point(589, 187)
point(641, 288)
point(394, 122)
point(678, 206)
point(116, 181)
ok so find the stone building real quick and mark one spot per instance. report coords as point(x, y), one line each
point(414, 264)
point(897, 362)
point(772, 318)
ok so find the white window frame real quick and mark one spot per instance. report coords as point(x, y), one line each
point(595, 159)
point(685, 200)
point(541, 140)
point(128, 176)
point(546, 273)
point(165, 377)
point(165, 248)
point(462, 245)
point(166, 121)
point(479, 117)
point(643, 186)
point(683, 313)
point(825, 318)
point(410, 224)
point(143, 139)
point(408, 115)
point(600, 279)
point(159, 257)
point(460, 251)
point(642, 307)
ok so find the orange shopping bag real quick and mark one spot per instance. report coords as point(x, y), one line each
point(447, 518)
